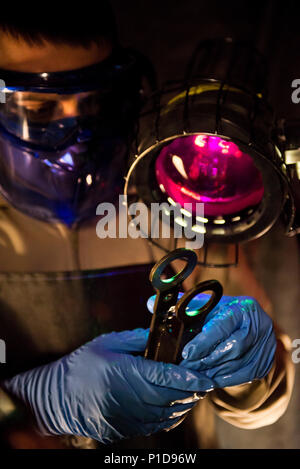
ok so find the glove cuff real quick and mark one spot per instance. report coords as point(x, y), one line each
point(41, 389)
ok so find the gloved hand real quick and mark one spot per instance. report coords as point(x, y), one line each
point(102, 391)
point(236, 345)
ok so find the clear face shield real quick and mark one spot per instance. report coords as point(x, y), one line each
point(64, 136)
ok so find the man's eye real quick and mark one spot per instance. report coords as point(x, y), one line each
point(41, 112)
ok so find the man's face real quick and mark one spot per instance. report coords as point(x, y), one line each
point(18, 55)
point(62, 147)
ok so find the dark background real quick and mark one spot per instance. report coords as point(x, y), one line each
point(167, 32)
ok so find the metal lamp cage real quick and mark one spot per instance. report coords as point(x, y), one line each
point(222, 94)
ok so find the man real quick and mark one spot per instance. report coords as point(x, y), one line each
point(101, 389)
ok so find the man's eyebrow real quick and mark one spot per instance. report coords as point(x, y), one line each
point(35, 98)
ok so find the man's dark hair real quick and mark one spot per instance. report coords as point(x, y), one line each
point(91, 22)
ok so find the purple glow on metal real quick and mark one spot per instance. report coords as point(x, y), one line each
point(211, 170)
point(67, 158)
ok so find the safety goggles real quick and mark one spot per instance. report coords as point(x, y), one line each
point(54, 110)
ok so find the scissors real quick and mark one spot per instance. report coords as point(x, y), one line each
point(174, 323)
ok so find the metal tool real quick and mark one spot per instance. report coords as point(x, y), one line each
point(174, 322)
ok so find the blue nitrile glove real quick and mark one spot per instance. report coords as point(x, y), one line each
point(102, 391)
point(237, 343)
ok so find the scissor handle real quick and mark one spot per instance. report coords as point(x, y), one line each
point(166, 284)
point(200, 314)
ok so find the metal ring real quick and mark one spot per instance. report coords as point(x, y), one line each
point(181, 253)
point(217, 292)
